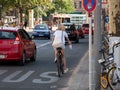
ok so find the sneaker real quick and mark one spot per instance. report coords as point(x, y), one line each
point(55, 60)
point(66, 70)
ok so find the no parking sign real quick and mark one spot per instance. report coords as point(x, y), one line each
point(89, 5)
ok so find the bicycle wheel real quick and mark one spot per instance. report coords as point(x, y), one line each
point(61, 65)
point(58, 66)
point(113, 79)
point(104, 81)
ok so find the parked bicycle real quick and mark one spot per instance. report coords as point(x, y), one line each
point(110, 74)
point(59, 62)
point(106, 65)
point(114, 72)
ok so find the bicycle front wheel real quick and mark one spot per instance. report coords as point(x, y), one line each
point(113, 79)
point(104, 81)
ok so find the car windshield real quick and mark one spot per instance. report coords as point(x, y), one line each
point(68, 27)
point(41, 27)
point(7, 35)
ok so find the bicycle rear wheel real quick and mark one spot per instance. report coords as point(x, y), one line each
point(59, 65)
point(113, 79)
point(58, 68)
point(104, 81)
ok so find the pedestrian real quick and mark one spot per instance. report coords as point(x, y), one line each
point(25, 24)
point(59, 34)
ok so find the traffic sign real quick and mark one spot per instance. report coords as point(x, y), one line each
point(89, 5)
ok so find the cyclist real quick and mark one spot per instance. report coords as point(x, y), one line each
point(61, 34)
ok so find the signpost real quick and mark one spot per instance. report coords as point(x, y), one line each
point(89, 6)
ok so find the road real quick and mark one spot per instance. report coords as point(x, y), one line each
point(41, 74)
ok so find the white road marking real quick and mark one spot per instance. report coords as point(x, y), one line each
point(41, 45)
point(48, 76)
point(22, 78)
point(13, 78)
point(2, 71)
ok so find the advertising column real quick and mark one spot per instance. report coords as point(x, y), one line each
point(31, 18)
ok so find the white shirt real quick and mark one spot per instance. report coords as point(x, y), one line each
point(60, 35)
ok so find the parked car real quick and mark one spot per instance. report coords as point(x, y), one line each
point(72, 32)
point(16, 45)
point(85, 27)
point(41, 30)
point(81, 32)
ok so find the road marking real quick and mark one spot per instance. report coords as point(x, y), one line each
point(41, 45)
point(22, 78)
point(2, 71)
point(47, 76)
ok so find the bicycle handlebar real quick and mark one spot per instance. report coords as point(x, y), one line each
point(115, 45)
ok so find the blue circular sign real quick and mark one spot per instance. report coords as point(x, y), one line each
point(89, 5)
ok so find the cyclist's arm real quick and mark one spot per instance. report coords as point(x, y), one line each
point(69, 42)
point(53, 38)
point(67, 38)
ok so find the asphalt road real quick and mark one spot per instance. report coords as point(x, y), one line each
point(41, 74)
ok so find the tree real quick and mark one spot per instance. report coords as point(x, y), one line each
point(63, 6)
point(114, 15)
point(24, 5)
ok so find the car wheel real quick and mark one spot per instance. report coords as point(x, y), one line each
point(22, 61)
point(33, 58)
point(77, 40)
point(83, 36)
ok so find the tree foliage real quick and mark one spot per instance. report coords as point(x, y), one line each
point(63, 6)
point(41, 7)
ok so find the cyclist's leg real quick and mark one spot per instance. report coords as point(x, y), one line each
point(55, 52)
point(64, 61)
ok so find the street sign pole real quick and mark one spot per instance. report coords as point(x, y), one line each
point(89, 6)
point(91, 70)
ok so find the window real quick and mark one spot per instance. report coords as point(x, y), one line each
point(7, 35)
point(75, 4)
point(80, 4)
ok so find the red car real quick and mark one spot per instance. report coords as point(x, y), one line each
point(72, 32)
point(85, 27)
point(16, 45)
point(80, 31)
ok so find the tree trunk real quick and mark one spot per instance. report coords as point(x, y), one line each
point(114, 17)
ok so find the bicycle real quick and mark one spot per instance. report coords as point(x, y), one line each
point(105, 61)
point(114, 73)
point(59, 62)
point(106, 64)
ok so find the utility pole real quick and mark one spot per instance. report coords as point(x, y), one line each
point(97, 45)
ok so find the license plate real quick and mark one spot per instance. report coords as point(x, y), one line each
point(40, 34)
point(2, 56)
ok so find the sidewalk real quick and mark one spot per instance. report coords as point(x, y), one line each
point(80, 77)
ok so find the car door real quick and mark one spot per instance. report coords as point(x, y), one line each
point(28, 43)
